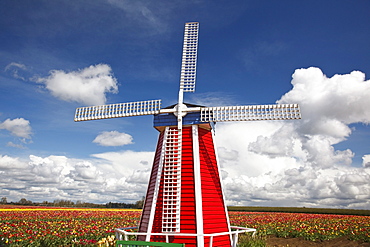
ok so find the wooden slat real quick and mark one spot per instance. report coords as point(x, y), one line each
point(144, 221)
point(188, 223)
point(214, 217)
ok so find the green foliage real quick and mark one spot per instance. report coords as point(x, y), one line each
point(2, 242)
point(78, 204)
point(247, 240)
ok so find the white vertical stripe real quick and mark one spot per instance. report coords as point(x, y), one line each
point(197, 187)
point(156, 186)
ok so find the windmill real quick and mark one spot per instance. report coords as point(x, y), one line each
point(184, 200)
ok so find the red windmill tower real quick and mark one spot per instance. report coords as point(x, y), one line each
point(184, 201)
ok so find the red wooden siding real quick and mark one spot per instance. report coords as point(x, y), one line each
point(187, 204)
point(214, 217)
point(144, 221)
point(157, 222)
point(187, 215)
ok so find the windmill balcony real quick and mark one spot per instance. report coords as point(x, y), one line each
point(125, 233)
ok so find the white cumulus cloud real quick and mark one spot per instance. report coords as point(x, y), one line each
point(113, 138)
point(7, 162)
point(124, 163)
point(19, 127)
point(336, 101)
point(87, 86)
point(264, 163)
point(295, 162)
point(366, 161)
point(121, 176)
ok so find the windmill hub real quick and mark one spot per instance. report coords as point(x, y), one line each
point(180, 110)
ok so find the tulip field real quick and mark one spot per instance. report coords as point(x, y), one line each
point(45, 226)
point(309, 226)
point(61, 226)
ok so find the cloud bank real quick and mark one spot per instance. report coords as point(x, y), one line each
point(295, 162)
point(87, 86)
point(366, 161)
point(121, 177)
point(263, 163)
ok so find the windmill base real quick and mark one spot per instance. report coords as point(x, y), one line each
point(184, 201)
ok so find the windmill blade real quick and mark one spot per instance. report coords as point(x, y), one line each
point(250, 113)
point(129, 109)
point(189, 57)
point(188, 66)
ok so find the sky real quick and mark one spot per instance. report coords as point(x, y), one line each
point(58, 55)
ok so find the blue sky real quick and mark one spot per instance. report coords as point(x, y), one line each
point(59, 55)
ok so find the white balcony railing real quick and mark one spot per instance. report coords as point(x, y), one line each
point(124, 233)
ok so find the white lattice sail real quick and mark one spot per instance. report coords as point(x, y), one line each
point(250, 113)
point(171, 181)
point(138, 108)
point(189, 57)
